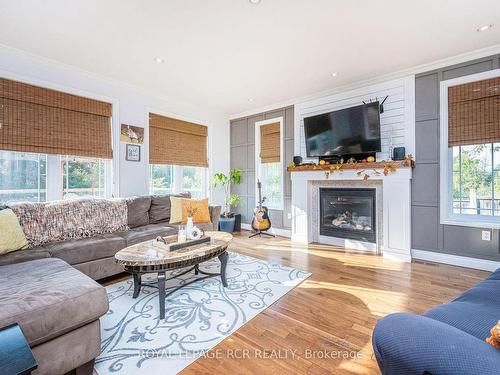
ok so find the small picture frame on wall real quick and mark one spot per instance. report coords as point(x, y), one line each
point(133, 153)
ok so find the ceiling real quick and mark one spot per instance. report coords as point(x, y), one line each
point(221, 53)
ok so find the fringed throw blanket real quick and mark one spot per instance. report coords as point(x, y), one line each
point(76, 218)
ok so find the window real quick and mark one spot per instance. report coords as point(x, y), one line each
point(269, 161)
point(161, 179)
point(83, 177)
point(170, 179)
point(271, 174)
point(470, 151)
point(23, 176)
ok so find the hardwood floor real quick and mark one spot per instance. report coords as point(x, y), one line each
point(333, 312)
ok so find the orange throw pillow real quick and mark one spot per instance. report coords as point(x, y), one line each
point(494, 339)
point(181, 207)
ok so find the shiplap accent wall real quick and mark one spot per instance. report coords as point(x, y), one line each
point(397, 121)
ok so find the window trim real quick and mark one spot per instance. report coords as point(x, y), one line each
point(258, 171)
point(447, 216)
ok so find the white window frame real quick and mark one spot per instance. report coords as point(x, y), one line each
point(447, 216)
point(258, 164)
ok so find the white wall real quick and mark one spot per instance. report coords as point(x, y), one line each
point(130, 106)
point(398, 119)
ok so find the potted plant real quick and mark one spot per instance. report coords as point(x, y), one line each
point(224, 181)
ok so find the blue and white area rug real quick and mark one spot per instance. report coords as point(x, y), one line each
point(198, 316)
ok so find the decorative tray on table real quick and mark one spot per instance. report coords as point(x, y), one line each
point(172, 243)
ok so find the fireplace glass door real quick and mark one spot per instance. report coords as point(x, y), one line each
point(348, 213)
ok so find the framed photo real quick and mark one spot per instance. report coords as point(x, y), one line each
point(133, 153)
point(132, 134)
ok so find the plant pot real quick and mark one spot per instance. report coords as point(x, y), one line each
point(226, 224)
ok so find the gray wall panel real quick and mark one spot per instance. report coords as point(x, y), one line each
point(239, 157)
point(238, 132)
point(426, 92)
point(251, 157)
point(467, 241)
point(425, 184)
point(251, 183)
point(427, 141)
point(468, 69)
point(276, 218)
point(273, 114)
point(427, 232)
point(251, 127)
point(425, 220)
point(289, 121)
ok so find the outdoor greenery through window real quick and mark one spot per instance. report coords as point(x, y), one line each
point(476, 179)
point(83, 177)
point(271, 175)
point(169, 179)
point(23, 177)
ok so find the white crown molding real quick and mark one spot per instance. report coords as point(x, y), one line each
point(95, 76)
point(455, 260)
point(457, 59)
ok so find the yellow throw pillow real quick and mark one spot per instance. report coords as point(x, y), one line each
point(181, 206)
point(175, 210)
point(13, 237)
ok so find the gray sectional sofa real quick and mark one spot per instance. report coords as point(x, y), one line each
point(58, 307)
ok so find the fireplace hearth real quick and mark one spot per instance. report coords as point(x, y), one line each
point(348, 213)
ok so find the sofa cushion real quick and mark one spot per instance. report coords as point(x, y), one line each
point(138, 211)
point(25, 255)
point(145, 233)
point(13, 237)
point(87, 249)
point(160, 207)
point(48, 298)
point(486, 292)
point(474, 318)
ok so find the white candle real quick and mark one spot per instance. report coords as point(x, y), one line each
point(181, 237)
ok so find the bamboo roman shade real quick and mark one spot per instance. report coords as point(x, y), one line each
point(36, 119)
point(270, 143)
point(474, 113)
point(178, 142)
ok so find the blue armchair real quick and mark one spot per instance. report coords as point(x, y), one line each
point(448, 339)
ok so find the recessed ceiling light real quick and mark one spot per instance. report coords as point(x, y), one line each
point(335, 74)
point(484, 28)
point(159, 60)
point(254, 1)
point(250, 99)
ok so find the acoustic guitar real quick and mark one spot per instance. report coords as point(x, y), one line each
point(261, 221)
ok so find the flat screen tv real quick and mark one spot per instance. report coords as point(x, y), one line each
point(349, 131)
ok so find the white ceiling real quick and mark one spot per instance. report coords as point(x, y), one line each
point(220, 53)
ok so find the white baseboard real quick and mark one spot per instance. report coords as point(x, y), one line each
point(276, 231)
point(455, 260)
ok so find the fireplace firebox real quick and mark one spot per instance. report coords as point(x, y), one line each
point(348, 213)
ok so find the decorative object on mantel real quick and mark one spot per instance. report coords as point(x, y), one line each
point(365, 167)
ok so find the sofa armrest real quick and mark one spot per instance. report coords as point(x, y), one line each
point(215, 216)
point(412, 344)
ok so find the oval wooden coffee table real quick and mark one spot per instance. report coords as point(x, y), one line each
point(149, 257)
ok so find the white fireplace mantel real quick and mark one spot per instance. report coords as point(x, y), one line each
point(396, 207)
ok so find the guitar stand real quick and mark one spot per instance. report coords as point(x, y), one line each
point(261, 233)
